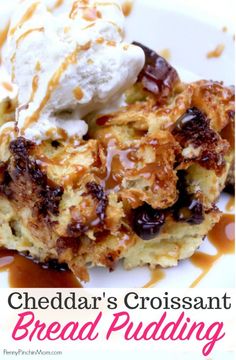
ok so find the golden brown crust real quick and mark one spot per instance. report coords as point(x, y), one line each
point(216, 100)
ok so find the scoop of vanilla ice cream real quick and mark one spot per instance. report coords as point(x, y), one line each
point(68, 65)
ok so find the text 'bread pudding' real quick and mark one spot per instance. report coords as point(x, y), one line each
point(140, 186)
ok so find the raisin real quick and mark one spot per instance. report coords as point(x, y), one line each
point(147, 222)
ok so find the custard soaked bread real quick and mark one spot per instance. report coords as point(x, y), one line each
point(140, 187)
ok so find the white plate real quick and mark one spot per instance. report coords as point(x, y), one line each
point(189, 29)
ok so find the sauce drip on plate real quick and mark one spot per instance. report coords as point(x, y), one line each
point(156, 276)
point(222, 237)
point(25, 273)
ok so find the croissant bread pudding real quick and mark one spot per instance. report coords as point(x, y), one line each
point(86, 185)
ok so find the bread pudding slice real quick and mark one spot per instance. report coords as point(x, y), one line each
point(141, 187)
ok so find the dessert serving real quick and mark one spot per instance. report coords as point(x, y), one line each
point(105, 154)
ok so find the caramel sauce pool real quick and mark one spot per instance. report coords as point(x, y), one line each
point(222, 237)
point(25, 273)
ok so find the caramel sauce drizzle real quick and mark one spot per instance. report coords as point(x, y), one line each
point(26, 17)
point(156, 276)
point(57, 4)
point(100, 40)
point(222, 237)
point(111, 43)
point(7, 86)
point(122, 163)
point(3, 38)
point(74, 10)
point(76, 6)
point(72, 179)
point(89, 26)
point(23, 36)
point(100, 3)
point(54, 82)
point(120, 31)
point(38, 66)
point(6, 134)
point(25, 273)
point(117, 161)
point(3, 35)
point(91, 14)
point(87, 16)
point(78, 93)
point(35, 84)
point(13, 60)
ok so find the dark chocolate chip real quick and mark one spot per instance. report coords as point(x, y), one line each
point(147, 222)
point(194, 127)
point(157, 75)
point(55, 144)
point(187, 209)
point(191, 212)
